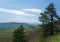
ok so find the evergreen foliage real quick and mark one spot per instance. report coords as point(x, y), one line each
point(19, 35)
point(48, 17)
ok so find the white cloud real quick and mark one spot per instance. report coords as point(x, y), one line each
point(23, 12)
point(33, 10)
point(18, 12)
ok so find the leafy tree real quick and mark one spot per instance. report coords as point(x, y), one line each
point(48, 17)
point(19, 35)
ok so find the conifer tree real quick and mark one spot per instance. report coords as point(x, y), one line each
point(19, 35)
point(48, 17)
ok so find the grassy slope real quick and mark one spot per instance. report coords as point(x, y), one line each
point(9, 32)
point(7, 37)
point(54, 38)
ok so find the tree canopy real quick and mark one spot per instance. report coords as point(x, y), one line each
point(19, 35)
point(48, 17)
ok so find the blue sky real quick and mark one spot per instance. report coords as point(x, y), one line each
point(25, 11)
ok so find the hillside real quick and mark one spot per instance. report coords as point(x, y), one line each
point(6, 30)
point(32, 35)
point(54, 38)
point(9, 27)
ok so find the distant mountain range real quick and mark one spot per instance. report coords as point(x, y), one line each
point(13, 25)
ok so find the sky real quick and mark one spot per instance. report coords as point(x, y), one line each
point(24, 11)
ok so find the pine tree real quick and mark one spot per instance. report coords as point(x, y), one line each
point(48, 17)
point(53, 16)
point(19, 35)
